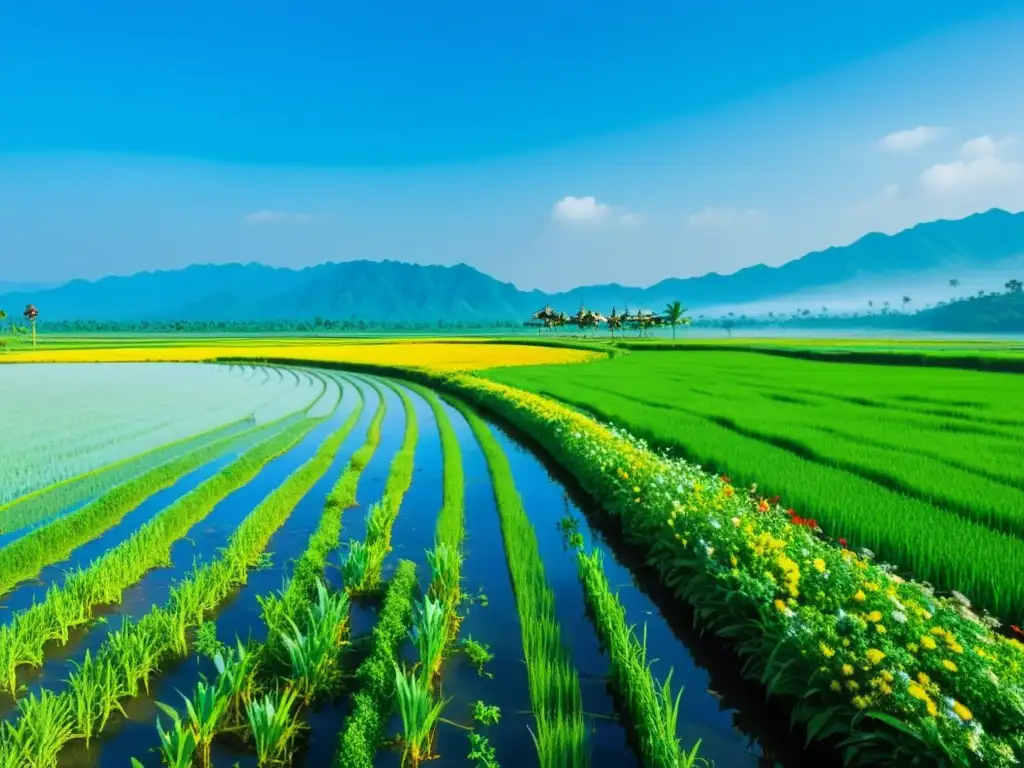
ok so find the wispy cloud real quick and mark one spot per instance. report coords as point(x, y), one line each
point(723, 218)
point(911, 139)
point(983, 165)
point(583, 210)
point(271, 216)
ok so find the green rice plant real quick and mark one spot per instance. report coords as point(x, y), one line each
point(561, 735)
point(205, 710)
point(165, 629)
point(237, 668)
point(429, 633)
point(178, 745)
point(313, 655)
point(206, 642)
point(273, 725)
point(653, 712)
point(374, 697)
point(354, 565)
point(25, 557)
point(445, 568)
point(71, 604)
point(45, 725)
point(419, 714)
point(96, 689)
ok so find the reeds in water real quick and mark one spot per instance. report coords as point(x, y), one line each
point(420, 713)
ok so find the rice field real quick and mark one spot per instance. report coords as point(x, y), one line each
point(923, 466)
point(366, 554)
point(303, 566)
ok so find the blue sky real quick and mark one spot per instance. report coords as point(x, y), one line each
point(547, 144)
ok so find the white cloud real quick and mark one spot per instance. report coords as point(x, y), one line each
point(983, 166)
point(271, 216)
point(911, 139)
point(581, 210)
point(576, 209)
point(714, 218)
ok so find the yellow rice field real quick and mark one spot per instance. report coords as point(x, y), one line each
point(432, 356)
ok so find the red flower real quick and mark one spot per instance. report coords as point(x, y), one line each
point(725, 479)
point(774, 500)
point(1017, 629)
point(842, 542)
point(791, 512)
point(763, 506)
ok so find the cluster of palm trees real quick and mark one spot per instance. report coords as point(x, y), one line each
point(30, 314)
point(585, 319)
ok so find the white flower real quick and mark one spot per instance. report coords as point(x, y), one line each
point(899, 616)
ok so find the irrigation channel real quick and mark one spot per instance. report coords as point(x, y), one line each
point(386, 467)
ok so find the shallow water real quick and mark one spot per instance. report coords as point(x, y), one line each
point(413, 533)
point(199, 545)
point(239, 616)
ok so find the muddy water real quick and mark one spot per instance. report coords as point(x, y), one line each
point(239, 616)
point(198, 546)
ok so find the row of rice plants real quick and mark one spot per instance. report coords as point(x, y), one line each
point(259, 687)
point(933, 544)
point(24, 558)
point(71, 604)
point(446, 558)
point(854, 651)
point(58, 458)
point(132, 654)
point(653, 712)
point(561, 737)
point(375, 691)
point(382, 514)
point(48, 502)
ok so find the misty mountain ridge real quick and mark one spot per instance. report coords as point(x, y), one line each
point(403, 292)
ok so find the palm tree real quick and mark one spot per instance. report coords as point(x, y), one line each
point(31, 313)
point(675, 315)
point(953, 284)
point(906, 300)
point(1014, 286)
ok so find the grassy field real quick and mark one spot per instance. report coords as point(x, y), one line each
point(924, 466)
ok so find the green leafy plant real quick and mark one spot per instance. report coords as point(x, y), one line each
point(178, 745)
point(206, 642)
point(419, 713)
point(428, 635)
point(273, 725)
point(481, 752)
point(205, 710)
point(354, 565)
point(479, 654)
point(486, 714)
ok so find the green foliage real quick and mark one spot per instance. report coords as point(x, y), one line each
point(481, 752)
point(653, 712)
point(273, 725)
point(479, 654)
point(71, 604)
point(853, 447)
point(419, 714)
point(178, 745)
point(375, 694)
point(561, 736)
point(138, 649)
point(486, 714)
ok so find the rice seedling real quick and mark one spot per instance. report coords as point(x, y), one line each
point(164, 629)
point(374, 698)
point(313, 654)
point(445, 568)
point(653, 712)
point(71, 604)
point(419, 712)
point(177, 745)
point(429, 633)
point(273, 725)
point(45, 725)
point(354, 565)
point(561, 736)
point(95, 692)
point(205, 710)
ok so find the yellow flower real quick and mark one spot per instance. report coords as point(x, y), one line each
point(874, 655)
point(917, 692)
point(819, 565)
point(827, 652)
point(880, 629)
point(853, 685)
point(861, 702)
point(875, 616)
point(949, 665)
point(781, 605)
point(963, 712)
point(859, 596)
point(912, 647)
point(887, 676)
point(923, 679)
point(928, 643)
point(836, 686)
point(847, 669)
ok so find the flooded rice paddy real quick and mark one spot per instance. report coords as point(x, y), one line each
point(370, 413)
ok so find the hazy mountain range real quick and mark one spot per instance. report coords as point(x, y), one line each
point(397, 291)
